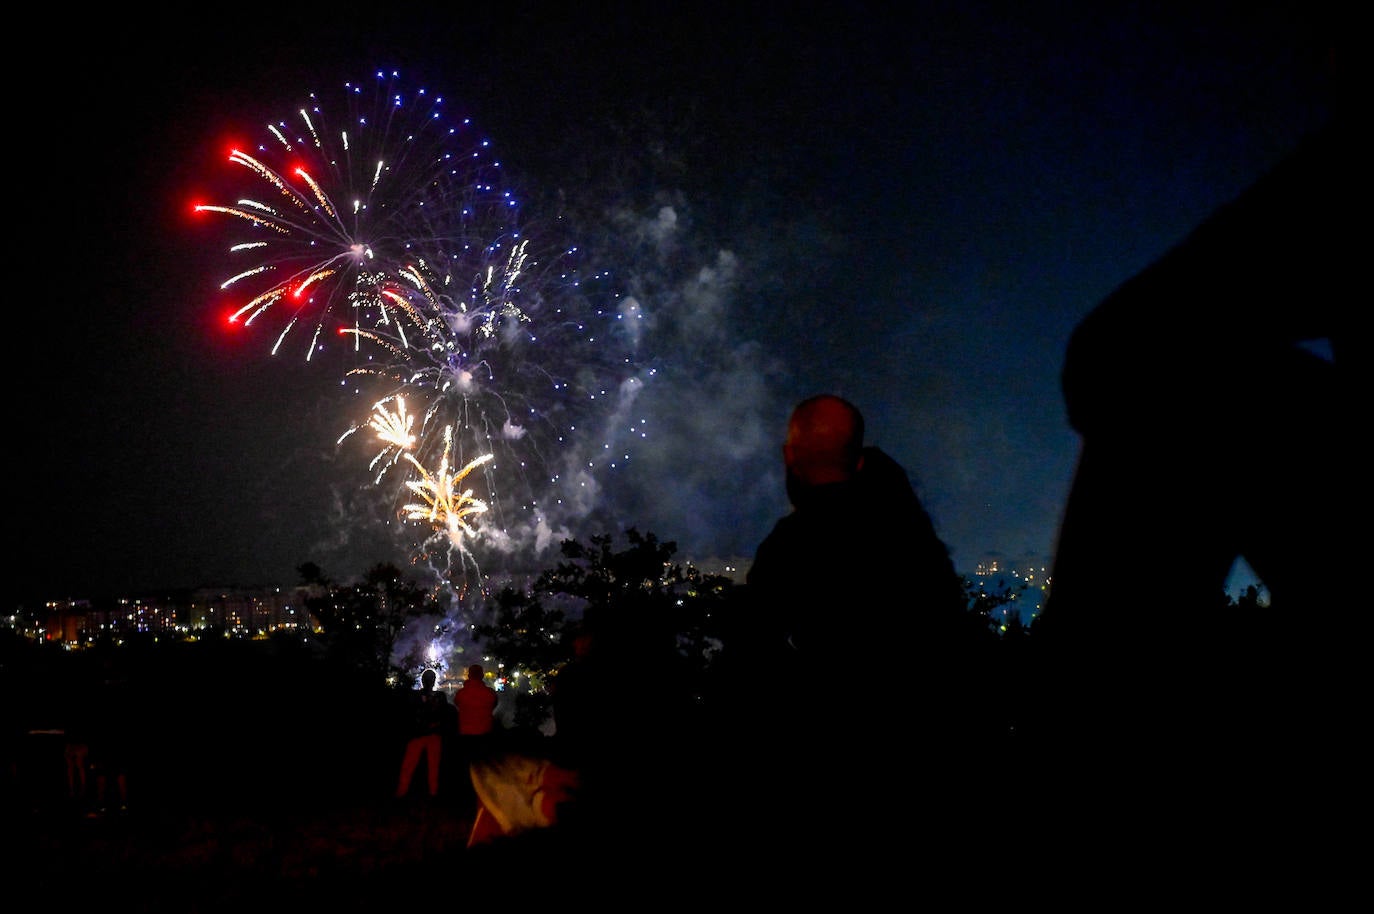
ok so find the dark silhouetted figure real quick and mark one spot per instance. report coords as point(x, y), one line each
point(110, 737)
point(618, 781)
point(13, 732)
point(1214, 394)
point(582, 702)
point(857, 654)
point(855, 578)
point(609, 728)
point(429, 710)
point(856, 571)
point(76, 749)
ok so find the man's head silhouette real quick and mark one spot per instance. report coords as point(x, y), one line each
point(824, 443)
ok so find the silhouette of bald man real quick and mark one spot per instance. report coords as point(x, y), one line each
point(857, 561)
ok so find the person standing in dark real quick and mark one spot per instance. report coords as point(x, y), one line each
point(855, 577)
point(12, 733)
point(476, 704)
point(77, 750)
point(110, 737)
point(429, 709)
point(583, 702)
point(604, 727)
point(857, 649)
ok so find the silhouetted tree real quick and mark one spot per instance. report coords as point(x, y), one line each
point(991, 610)
point(360, 622)
point(523, 632)
point(655, 617)
point(527, 637)
point(312, 574)
point(1248, 601)
point(639, 598)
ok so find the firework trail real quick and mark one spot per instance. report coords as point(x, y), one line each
point(378, 220)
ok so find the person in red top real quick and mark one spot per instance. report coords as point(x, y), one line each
point(476, 704)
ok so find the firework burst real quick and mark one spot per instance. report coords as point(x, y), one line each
point(355, 201)
point(378, 219)
point(445, 505)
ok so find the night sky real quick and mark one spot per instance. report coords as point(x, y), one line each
point(910, 209)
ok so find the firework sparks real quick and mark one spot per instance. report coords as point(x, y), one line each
point(395, 430)
point(355, 211)
point(444, 504)
point(394, 427)
point(392, 228)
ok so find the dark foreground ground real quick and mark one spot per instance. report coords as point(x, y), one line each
point(202, 851)
point(262, 783)
point(265, 781)
point(356, 856)
point(255, 781)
